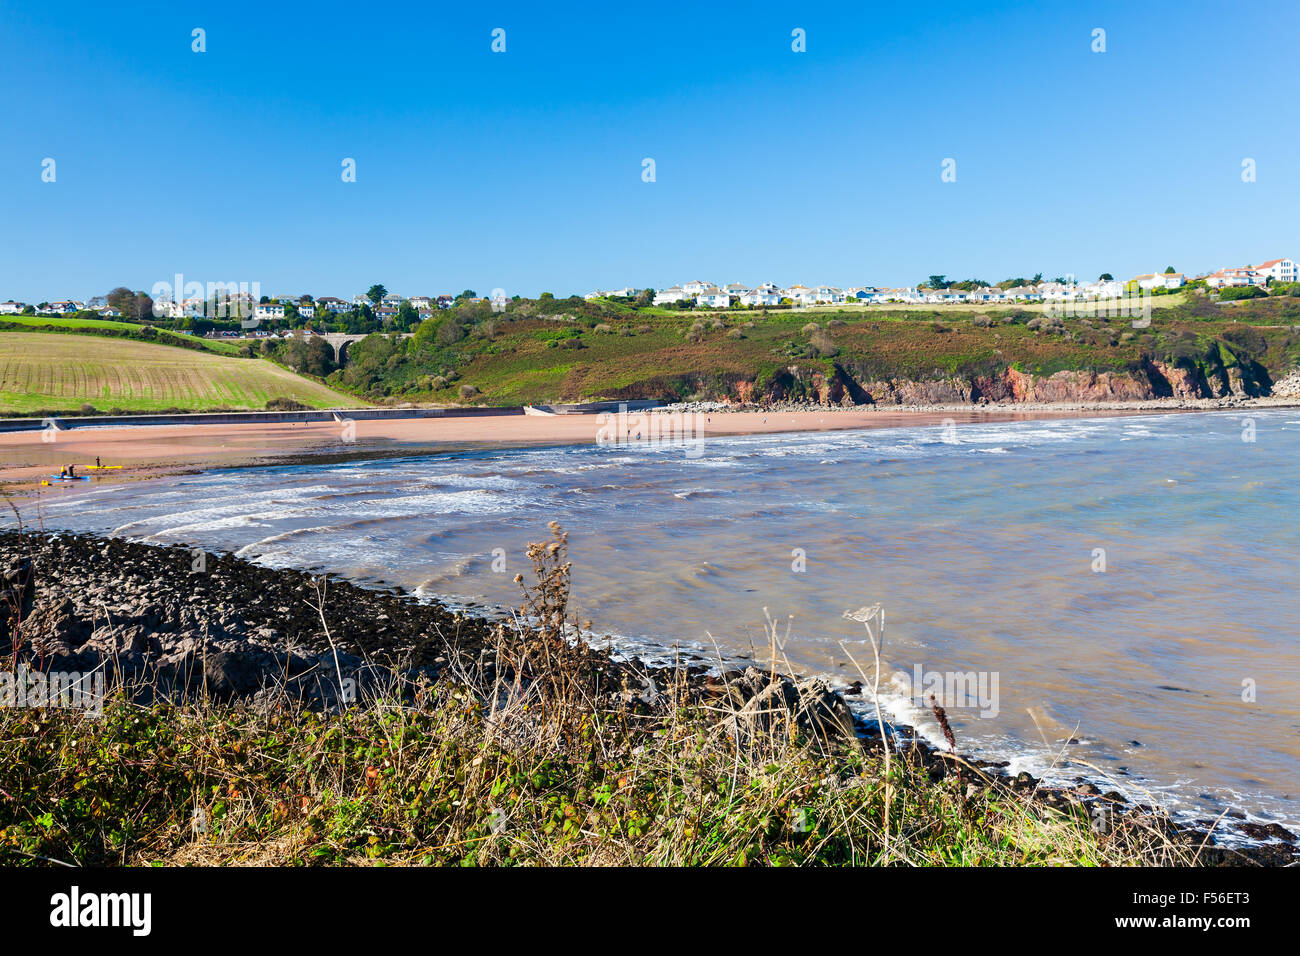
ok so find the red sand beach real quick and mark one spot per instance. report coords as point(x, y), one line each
point(153, 450)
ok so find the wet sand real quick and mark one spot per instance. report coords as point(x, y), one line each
point(150, 451)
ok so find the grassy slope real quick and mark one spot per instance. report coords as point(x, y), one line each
point(71, 322)
point(41, 371)
point(644, 353)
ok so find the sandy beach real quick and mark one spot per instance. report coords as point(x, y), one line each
point(151, 451)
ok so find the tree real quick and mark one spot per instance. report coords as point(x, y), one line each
point(937, 282)
point(120, 299)
point(376, 294)
point(450, 330)
point(468, 294)
point(309, 357)
point(1169, 270)
point(1105, 277)
point(407, 316)
point(424, 337)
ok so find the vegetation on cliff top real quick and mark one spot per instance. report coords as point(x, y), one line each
point(572, 350)
point(549, 350)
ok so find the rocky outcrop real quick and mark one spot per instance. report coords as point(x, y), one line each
point(1211, 379)
point(1288, 386)
point(173, 621)
point(765, 703)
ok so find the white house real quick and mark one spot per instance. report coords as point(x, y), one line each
point(269, 310)
point(1160, 280)
point(11, 308)
point(696, 287)
point(1225, 278)
point(761, 297)
point(668, 296)
point(826, 293)
point(332, 304)
point(359, 300)
point(713, 298)
point(1103, 289)
point(167, 309)
point(1279, 270)
point(886, 295)
point(421, 302)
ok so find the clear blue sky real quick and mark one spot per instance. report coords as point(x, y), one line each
point(522, 170)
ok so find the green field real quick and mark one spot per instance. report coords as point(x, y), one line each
point(68, 321)
point(41, 371)
point(111, 325)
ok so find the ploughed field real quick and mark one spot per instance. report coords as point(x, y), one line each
point(39, 372)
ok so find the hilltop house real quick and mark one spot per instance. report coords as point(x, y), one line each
point(761, 297)
point(332, 304)
point(1163, 280)
point(269, 310)
point(669, 296)
point(1227, 278)
point(11, 307)
point(1103, 289)
point(1279, 270)
point(713, 298)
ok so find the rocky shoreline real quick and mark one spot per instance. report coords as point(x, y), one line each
point(1072, 408)
point(174, 622)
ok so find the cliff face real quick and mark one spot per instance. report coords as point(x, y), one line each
point(1152, 379)
point(1218, 373)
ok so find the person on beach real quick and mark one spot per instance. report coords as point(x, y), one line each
point(97, 464)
